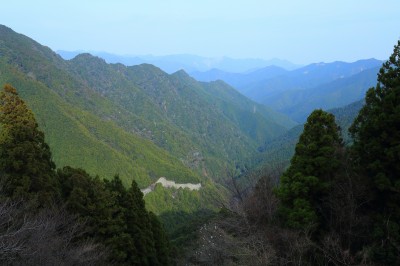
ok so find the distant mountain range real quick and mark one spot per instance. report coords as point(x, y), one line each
point(187, 62)
point(239, 80)
point(298, 92)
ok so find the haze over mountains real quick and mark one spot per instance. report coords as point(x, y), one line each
point(298, 92)
point(187, 62)
point(285, 87)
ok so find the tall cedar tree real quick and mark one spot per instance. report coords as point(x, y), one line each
point(26, 167)
point(125, 243)
point(305, 184)
point(376, 134)
point(146, 242)
point(139, 226)
point(161, 241)
point(90, 199)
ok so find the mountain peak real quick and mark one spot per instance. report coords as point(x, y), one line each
point(88, 58)
point(4, 29)
point(181, 73)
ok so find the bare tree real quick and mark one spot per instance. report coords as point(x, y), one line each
point(46, 237)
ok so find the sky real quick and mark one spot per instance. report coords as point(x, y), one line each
point(301, 31)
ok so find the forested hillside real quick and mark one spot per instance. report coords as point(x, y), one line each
point(66, 216)
point(138, 122)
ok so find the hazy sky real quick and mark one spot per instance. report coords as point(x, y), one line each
point(301, 31)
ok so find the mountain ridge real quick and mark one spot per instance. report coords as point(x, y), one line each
point(188, 62)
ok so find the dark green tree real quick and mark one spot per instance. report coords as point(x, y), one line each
point(148, 243)
point(376, 151)
point(305, 184)
point(139, 226)
point(161, 242)
point(125, 243)
point(25, 158)
point(88, 198)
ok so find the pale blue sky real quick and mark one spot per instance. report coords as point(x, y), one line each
point(301, 31)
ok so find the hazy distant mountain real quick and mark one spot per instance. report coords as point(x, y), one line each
point(307, 77)
point(299, 103)
point(189, 63)
point(239, 80)
point(322, 85)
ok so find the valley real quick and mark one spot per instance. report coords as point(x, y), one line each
point(138, 121)
point(192, 160)
point(143, 124)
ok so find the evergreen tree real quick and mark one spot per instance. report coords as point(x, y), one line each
point(305, 184)
point(25, 158)
point(124, 242)
point(161, 241)
point(376, 148)
point(147, 243)
point(139, 226)
point(88, 198)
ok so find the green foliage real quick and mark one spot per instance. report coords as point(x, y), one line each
point(88, 197)
point(161, 242)
point(377, 154)
point(310, 174)
point(25, 158)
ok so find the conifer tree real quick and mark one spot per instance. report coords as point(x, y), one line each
point(89, 198)
point(143, 239)
point(139, 226)
point(124, 242)
point(306, 182)
point(25, 158)
point(376, 148)
point(161, 241)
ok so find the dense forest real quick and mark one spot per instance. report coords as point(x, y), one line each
point(335, 202)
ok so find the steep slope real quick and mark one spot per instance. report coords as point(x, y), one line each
point(80, 139)
point(179, 114)
point(224, 94)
